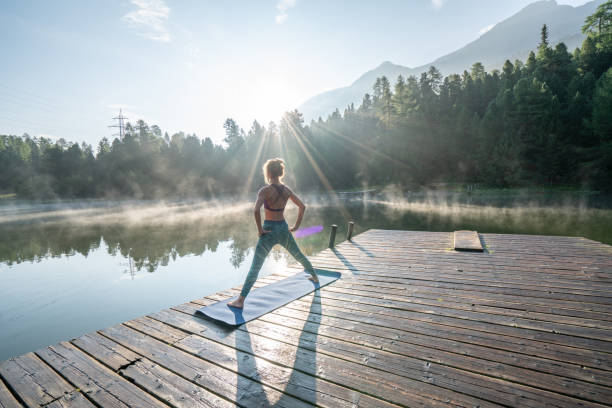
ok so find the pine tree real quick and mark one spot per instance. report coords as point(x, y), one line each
point(544, 37)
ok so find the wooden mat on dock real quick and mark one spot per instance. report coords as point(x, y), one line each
point(467, 241)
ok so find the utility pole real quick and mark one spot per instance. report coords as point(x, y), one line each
point(120, 124)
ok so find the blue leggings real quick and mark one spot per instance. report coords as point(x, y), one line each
point(279, 234)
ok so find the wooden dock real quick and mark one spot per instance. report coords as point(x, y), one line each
point(411, 323)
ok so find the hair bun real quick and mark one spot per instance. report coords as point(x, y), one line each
point(274, 168)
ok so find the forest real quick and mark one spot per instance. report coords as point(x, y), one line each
point(546, 121)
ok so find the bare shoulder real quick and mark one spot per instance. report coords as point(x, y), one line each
point(289, 192)
point(264, 191)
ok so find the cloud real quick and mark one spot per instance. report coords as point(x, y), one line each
point(150, 18)
point(281, 10)
point(437, 3)
point(486, 29)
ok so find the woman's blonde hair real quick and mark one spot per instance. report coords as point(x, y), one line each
point(274, 168)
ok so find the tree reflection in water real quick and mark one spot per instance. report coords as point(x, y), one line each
point(150, 235)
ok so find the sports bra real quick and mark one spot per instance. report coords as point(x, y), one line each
point(280, 190)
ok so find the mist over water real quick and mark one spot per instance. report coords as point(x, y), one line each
point(67, 268)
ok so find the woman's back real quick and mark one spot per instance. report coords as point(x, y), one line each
point(275, 200)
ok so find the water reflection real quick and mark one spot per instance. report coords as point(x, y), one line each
point(146, 243)
point(149, 236)
point(69, 269)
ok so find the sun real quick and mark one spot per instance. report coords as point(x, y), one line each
point(271, 95)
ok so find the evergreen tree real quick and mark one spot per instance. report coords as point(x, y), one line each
point(545, 122)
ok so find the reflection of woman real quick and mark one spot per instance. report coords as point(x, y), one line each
point(275, 230)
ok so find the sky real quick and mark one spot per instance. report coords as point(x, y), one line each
point(70, 65)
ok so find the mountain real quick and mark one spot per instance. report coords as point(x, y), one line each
point(510, 39)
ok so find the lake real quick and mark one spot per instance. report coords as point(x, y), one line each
point(74, 267)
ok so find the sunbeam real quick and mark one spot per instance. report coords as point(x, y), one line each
point(255, 165)
point(366, 148)
point(318, 171)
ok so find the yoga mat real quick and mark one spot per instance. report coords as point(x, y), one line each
point(267, 298)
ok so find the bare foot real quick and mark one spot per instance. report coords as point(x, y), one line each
point(314, 278)
point(238, 303)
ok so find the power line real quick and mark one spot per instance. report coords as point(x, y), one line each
point(30, 95)
point(120, 124)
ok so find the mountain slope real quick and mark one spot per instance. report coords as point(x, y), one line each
point(510, 39)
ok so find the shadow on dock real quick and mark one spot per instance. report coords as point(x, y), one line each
point(252, 394)
point(362, 249)
point(345, 261)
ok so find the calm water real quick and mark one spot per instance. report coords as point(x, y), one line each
point(73, 268)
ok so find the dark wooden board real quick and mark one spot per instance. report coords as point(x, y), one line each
point(466, 241)
point(299, 362)
point(7, 400)
point(242, 390)
point(105, 350)
point(162, 383)
point(34, 381)
point(101, 385)
point(73, 400)
point(435, 362)
point(447, 299)
point(572, 336)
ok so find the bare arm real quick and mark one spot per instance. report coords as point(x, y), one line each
point(257, 213)
point(301, 207)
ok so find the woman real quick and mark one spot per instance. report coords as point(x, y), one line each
point(275, 230)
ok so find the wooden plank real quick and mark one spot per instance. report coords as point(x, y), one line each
point(290, 382)
point(33, 381)
point(306, 364)
point(408, 365)
point(466, 241)
point(573, 278)
point(459, 294)
point(7, 400)
point(288, 364)
point(583, 337)
point(106, 351)
point(465, 273)
point(239, 389)
point(495, 286)
point(508, 245)
point(568, 255)
point(102, 385)
point(171, 388)
point(481, 386)
point(167, 334)
point(367, 323)
point(431, 335)
point(160, 382)
point(501, 262)
point(592, 302)
point(399, 342)
point(559, 263)
point(496, 303)
point(511, 309)
point(73, 400)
